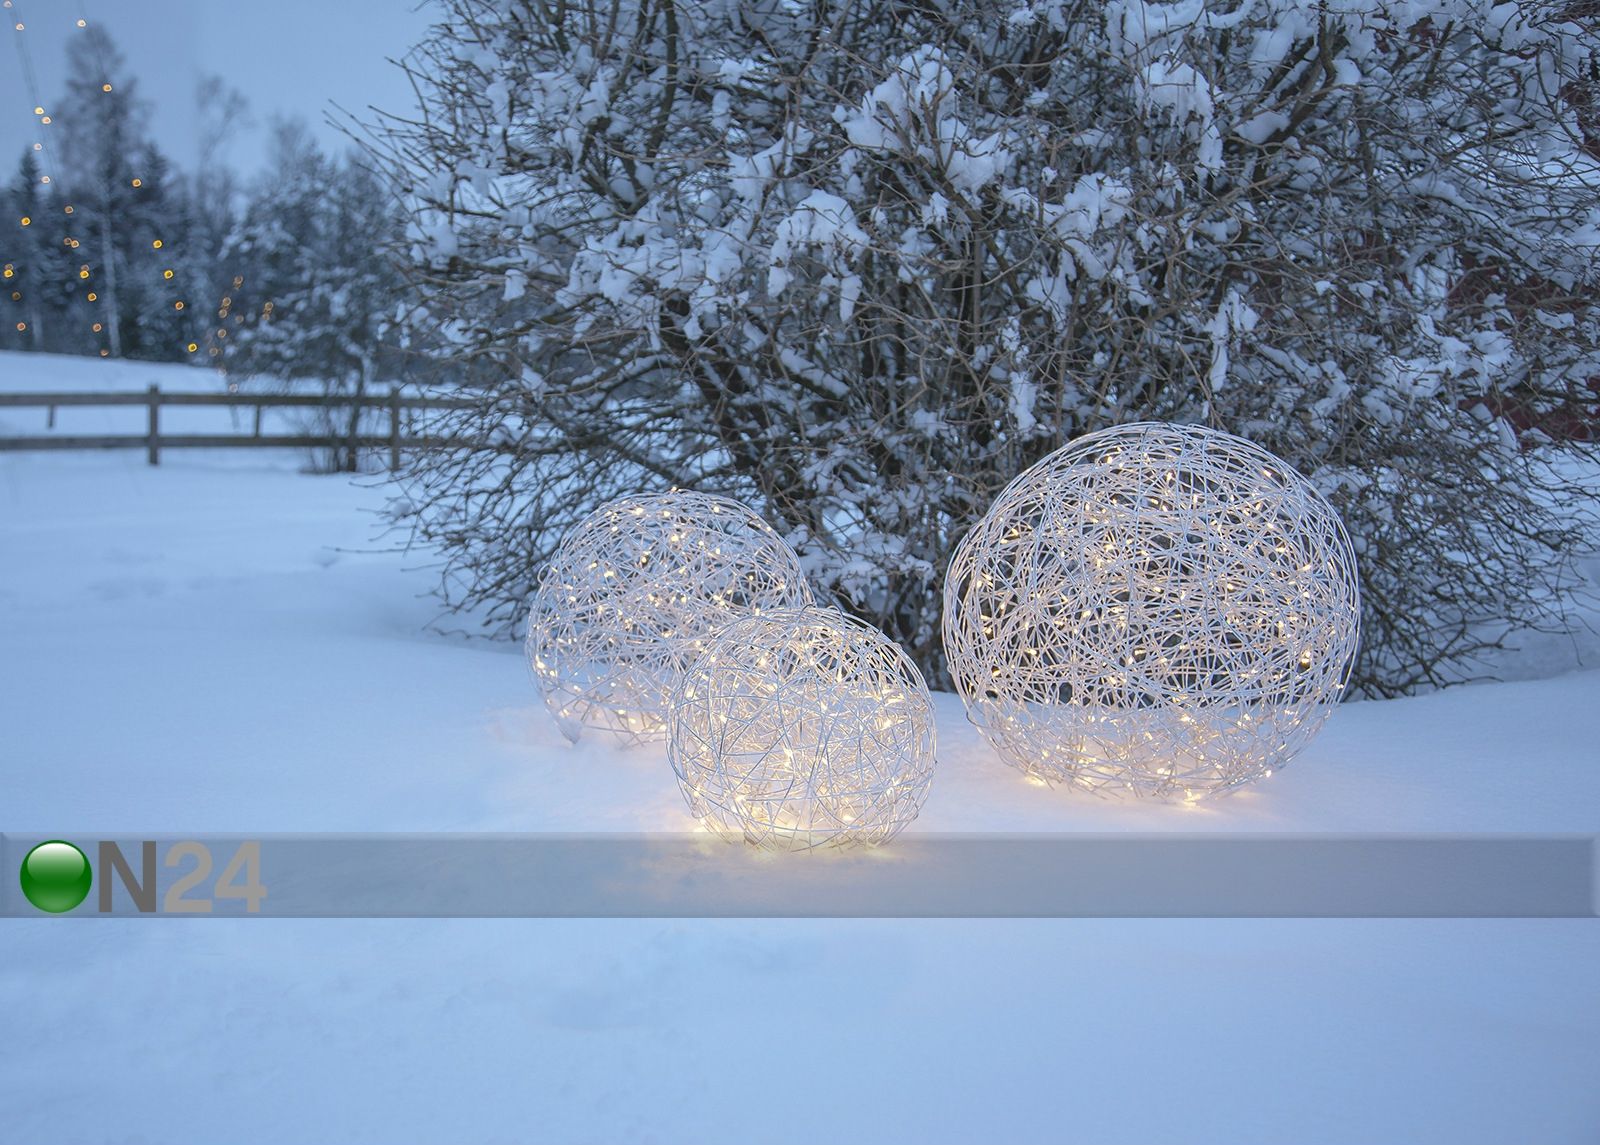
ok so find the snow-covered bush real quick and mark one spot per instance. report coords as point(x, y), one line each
point(859, 263)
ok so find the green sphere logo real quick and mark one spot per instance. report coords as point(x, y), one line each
point(56, 876)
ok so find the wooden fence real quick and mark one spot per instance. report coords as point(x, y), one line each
point(153, 441)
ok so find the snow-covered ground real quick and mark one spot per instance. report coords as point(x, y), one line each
point(218, 645)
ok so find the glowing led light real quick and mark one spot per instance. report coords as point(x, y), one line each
point(1206, 650)
point(166, 274)
point(138, 182)
point(605, 650)
point(93, 297)
point(193, 347)
point(105, 87)
point(801, 728)
point(26, 221)
point(156, 245)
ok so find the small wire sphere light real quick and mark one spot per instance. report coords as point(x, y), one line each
point(803, 728)
point(631, 596)
point(1162, 610)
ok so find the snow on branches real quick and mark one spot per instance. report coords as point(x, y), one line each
point(861, 263)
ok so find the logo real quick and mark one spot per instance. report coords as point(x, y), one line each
point(56, 877)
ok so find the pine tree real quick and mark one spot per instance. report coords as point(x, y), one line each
point(102, 131)
point(318, 294)
point(28, 266)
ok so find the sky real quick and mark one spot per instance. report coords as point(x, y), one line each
point(287, 57)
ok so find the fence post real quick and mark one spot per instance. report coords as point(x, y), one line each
point(394, 429)
point(153, 440)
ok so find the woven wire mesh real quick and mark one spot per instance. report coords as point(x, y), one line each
point(1158, 609)
point(631, 596)
point(803, 728)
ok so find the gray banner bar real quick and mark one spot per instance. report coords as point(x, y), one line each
point(972, 876)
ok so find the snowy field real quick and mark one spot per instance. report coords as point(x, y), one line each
point(219, 645)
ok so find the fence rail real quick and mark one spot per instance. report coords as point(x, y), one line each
point(153, 441)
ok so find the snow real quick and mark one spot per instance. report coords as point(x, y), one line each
point(219, 644)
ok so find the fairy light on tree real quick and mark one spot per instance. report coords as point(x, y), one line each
point(124, 195)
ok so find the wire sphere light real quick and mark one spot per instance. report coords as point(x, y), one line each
point(1153, 609)
point(633, 592)
point(803, 728)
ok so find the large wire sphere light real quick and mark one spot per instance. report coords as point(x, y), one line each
point(803, 728)
point(1153, 609)
point(631, 596)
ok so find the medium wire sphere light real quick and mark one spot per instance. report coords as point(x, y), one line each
point(631, 596)
point(803, 728)
point(1162, 610)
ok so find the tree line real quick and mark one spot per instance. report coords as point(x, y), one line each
point(109, 249)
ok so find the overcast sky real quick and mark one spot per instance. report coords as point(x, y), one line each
point(285, 56)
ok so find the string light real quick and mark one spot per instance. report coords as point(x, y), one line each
point(93, 297)
point(1153, 609)
point(631, 596)
point(193, 347)
point(166, 274)
point(26, 221)
point(97, 327)
point(156, 245)
point(138, 182)
point(802, 728)
point(177, 305)
point(105, 87)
